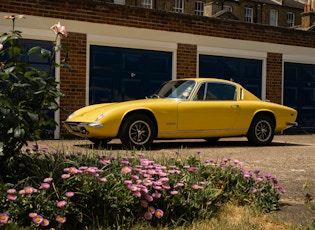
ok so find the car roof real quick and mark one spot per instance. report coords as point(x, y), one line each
point(207, 80)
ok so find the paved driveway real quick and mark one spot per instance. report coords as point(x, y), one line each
point(291, 158)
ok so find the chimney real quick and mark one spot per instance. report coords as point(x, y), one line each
point(308, 16)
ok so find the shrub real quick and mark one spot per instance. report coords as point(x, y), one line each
point(86, 190)
point(26, 94)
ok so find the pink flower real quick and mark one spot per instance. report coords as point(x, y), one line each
point(38, 219)
point(44, 186)
point(151, 209)
point(126, 169)
point(48, 180)
point(65, 176)
point(61, 204)
point(29, 190)
point(45, 222)
point(11, 197)
point(148, 215)
point(1, 46)
point(144, 203)
point(174, 192)
point(197, 187)
point(159, 213)
point(61, 219)
point(69, 194)
point(32, 214)
point(11, 191)
point(148, 198)
point(59, 29)
point(3, 218)
point(103, 179)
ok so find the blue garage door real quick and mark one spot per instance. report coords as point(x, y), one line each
point(41, 64)
point(299, 93)
point(120, 74)
point(247, 72)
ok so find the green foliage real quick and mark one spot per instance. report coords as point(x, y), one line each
point(26, 94)
point(109, 192)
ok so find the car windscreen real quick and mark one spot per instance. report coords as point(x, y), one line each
point(175, 89)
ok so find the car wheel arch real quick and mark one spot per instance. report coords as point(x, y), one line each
point(148, 113)
point(265, 113)
point(262, 128)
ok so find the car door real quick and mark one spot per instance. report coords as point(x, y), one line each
point(214, 108)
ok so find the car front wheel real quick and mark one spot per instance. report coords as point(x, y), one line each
point(261, 131)
point(137, 131)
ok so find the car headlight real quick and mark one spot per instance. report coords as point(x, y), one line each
point(100, 117)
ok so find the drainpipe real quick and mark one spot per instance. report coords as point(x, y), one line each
point(57, 77)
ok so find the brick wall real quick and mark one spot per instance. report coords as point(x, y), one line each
point(186, 60)
point(73, 83)
point(274, 77)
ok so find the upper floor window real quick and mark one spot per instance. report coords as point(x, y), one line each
point(199, 7)
point(248, 14)
point(273, 19)
point(179, 6)
point(228, 8)
point(146, 4)
point(290, 19)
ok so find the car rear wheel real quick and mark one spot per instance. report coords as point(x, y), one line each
point(137, 131)
point(261, 131)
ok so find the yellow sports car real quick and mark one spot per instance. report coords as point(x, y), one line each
point(206, 108)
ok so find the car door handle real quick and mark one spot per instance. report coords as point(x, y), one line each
point(235, 106)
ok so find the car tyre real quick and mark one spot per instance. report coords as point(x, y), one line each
point(261, 131)
point(137, 131)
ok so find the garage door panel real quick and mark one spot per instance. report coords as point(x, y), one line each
point(160, 64)
point(307, 120)
point(130, 89)
point(247, 72)
point(104, 60)
point(101, 90)
point(133, 73)
point(299, 93)
point(132, 63)
point(290, 97)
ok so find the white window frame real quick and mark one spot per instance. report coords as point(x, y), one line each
point(290, 19)
point(228, 8)
point(146, 4)
point(248, 14)
point(273, 17)
point(179, 6)
point(199, 8)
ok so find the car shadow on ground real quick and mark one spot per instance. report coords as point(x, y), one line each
point(178, 144)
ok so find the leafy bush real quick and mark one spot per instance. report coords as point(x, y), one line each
point(86, 190)
point(26, 94)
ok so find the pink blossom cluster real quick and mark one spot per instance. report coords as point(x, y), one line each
point(38, 219)
point(148, 179)
point(84, 170)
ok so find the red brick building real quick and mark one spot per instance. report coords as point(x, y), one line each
point(119, 52)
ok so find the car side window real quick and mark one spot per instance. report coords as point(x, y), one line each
point(215, 92)
point(200, 95)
